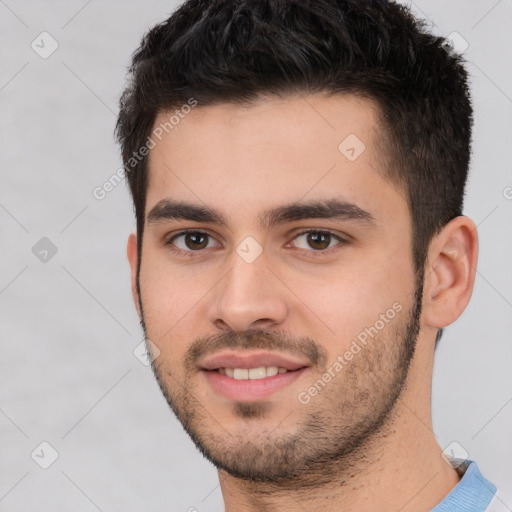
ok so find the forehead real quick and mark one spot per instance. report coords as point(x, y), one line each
point(241, 159)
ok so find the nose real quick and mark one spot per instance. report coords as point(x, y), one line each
point(250, 296)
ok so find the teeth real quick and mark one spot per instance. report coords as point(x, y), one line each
point(273, 370)
point(241, 373)
point(252, 373)
point(257, 373)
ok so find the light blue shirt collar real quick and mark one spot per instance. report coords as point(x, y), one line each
point(472, 494)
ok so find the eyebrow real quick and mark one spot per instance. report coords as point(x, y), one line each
point(168, 209)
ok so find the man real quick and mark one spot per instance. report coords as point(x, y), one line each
point(298, 171)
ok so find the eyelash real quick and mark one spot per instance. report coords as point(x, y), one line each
point(190, 253)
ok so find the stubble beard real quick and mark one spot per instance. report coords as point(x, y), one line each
point(330, 434)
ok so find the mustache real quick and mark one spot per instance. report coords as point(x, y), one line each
point(255, 339)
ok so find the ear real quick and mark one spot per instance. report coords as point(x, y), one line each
point(133, 259)
point(450, 272)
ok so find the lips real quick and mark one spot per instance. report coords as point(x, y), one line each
point(251, 359)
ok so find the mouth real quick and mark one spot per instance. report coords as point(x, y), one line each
point(262, 372)
point(251, 384)
point(248, 375)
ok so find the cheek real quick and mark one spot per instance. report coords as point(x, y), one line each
point(348, 298)
point(171, 297)
point(170, 304)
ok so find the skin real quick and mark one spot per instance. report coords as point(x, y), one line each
point(356, 445)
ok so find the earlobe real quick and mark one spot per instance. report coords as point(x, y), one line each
point(450, 275)
point(131, 252)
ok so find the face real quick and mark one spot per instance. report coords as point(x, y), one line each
point(298, 257)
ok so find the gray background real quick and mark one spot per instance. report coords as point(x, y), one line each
point(68, 375)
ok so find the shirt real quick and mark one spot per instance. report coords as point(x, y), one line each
point(473, 493)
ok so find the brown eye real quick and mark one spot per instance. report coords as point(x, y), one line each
point(318, 240)
point(191, 241)
point(196, 240)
